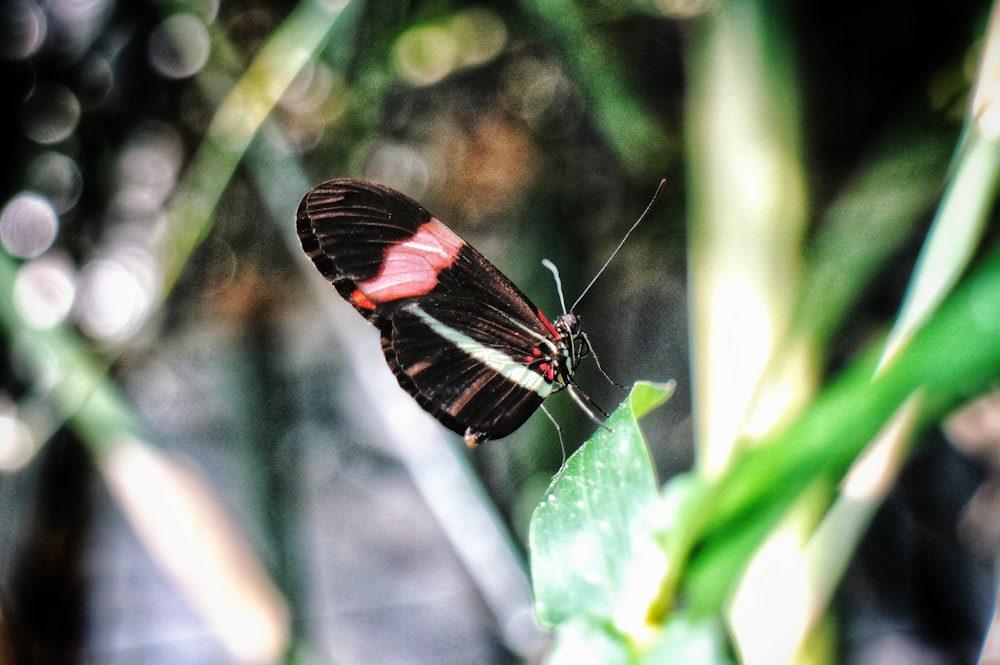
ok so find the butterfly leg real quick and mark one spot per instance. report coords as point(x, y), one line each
point(597, 362)
point(562, 445)
point(584, 406)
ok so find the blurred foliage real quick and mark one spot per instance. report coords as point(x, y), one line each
point(154, 312)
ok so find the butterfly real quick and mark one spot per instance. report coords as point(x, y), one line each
point(462, 339)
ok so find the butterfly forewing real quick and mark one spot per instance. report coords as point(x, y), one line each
point(460, 337)
point(347, 226)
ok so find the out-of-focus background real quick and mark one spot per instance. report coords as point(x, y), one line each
point(203, 458)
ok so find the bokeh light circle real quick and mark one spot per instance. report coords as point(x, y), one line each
point(480, 35)
point(56, 177)
point(23, 27)
point(115, 295)
point(28, 225)
point(401, 165)
point(179, 46)
point(50, 114)
point(684, 9)
point(96, 80)
point(44, 290)
point(17, 446)
point(425, 54)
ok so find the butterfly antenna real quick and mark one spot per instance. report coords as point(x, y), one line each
point(555, 273)
point(645, 212)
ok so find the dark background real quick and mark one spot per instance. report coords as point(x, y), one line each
point(248, 373)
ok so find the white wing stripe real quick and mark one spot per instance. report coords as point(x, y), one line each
point(498, 361)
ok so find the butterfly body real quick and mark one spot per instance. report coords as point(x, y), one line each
point(459, 336)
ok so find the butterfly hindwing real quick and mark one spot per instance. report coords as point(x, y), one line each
point(465, 394)
point(476, 373)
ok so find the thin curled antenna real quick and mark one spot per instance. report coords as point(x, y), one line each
point(555, 273)
point(645, 212)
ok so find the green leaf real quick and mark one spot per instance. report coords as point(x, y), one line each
point(956, 233)
point(591, 525)
point(952, 357)
point(687, 641)
point(583, 642)
point(683, 641)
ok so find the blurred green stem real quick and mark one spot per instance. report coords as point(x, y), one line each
point(59, 357)
point(747, 214)
point(82, 392)
point(952, 358)
point(901, 181)
point(619, 111)
point(954, 235)
point(235, 123)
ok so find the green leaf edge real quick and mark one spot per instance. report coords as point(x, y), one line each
point(643, 398)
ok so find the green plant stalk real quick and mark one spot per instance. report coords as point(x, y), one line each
point(235, 123)
point(962, 216)
point(747, 215)
point(628, 126)
point(82, 393)
point(901, 181)
point(952, 358)
point(954, 235)
point(953, 238)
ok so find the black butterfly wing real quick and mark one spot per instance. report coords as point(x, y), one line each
point(459, 336)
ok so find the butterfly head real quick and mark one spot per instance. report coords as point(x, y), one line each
point(573, 346)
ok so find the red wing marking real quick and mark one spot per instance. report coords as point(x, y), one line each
point(411, 268)
point(545, 368)
point(359, 299)
point(548, 325)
